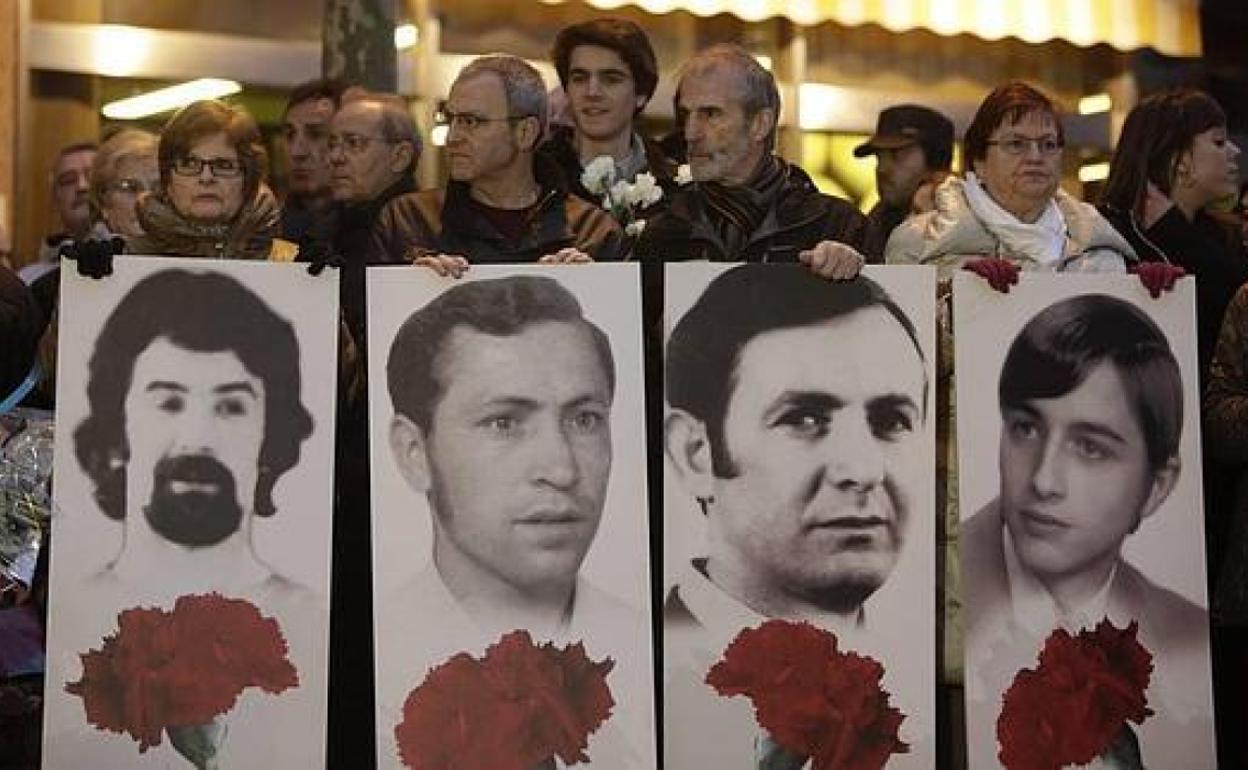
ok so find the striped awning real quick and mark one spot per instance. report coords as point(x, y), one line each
point(1169, 26)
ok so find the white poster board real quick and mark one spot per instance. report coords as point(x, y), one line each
point(521, 496)
point(1065, 519)
point(194, 456)
point(845, 365)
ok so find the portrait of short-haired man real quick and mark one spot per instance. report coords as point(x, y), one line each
point(498, 414)
point(190, 406)
point(1091, 401)
point(798, 447)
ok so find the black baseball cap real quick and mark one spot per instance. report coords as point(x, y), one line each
point(907, 124)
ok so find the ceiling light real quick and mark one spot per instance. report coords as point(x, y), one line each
point(171, 98)
point(1091, 105)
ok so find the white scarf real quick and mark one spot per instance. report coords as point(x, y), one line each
point(1043, 241)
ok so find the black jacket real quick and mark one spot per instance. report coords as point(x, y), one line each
point(559, 149)
point(1203, 249)
point(800, 217)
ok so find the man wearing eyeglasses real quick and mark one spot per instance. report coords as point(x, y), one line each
point(503, 204)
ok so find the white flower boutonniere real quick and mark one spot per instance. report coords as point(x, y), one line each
point(684, 174)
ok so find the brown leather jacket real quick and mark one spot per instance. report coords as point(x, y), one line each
point(445, 221)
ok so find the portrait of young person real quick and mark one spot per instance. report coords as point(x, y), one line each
point(195, 456)
point(799, 485)
point(509, 480)
point(1078, 430)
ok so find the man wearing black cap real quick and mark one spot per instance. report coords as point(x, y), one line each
point(911, 145)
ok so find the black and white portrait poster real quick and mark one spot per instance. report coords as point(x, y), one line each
point(190, 569)
point(510, 535)
point(1078, 413)
point(798, 445)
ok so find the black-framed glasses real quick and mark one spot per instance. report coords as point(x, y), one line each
point(470, 121)
point(1047, 146)
point(352, 143)
point(222, 168)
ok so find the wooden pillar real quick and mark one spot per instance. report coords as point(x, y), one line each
point(428, 84)
point(359, 43)
point(56, 110)
point(10, 105)
point(790, 71)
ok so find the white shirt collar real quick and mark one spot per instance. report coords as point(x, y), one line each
point(1034, 608)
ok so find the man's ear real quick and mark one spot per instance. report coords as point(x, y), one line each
point(528, 132)
point(762, 124)
point(689, 449)
point(1164, 479)
point(410, 450)
point(401, 154)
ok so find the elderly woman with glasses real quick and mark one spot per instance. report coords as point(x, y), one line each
point(211, 201)
point(1008, 206)
point(1005, 213)
point(123, 171)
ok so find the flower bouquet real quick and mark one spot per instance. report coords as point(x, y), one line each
point(180, 672)
point(1074, 707)
point(623, 199)
point(814, 701)
point(516, 708)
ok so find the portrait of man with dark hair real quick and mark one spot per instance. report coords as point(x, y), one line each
point(497, 413)
point(1091, 403)
point(797, 437)
point(191, 397)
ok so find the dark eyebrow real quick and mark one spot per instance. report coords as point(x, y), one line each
point(511, 402)
point(1085, 427)
point(1099, 429)
point(165, 385)
point(893, 401)
point(586, 399)
point(810, 400)
point(236, 387)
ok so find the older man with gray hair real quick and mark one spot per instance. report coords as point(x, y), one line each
point(503, 203)
point(743, 203)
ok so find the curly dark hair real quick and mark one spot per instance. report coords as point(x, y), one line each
point(204, 312)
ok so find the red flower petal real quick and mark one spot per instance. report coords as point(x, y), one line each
point(810, 697)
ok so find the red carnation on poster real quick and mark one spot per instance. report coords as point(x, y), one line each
point(517, 707)
point(181, 669)
point(1077, 701)
point(810, 697)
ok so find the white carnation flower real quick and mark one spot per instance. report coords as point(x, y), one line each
point(599, 174)
point(645, 190)
point(635, 227)
point(622, 194)
point(684, 174)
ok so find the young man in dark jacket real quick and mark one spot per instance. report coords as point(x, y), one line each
point(609, 72)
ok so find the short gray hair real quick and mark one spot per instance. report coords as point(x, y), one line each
point(758, 90)
point(522, 84)
point(396, 123)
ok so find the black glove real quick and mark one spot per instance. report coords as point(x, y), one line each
point(93, 255)
point(320, 255)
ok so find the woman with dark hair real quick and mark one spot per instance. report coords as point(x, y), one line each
point(1174, 159)
point(212, 201)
